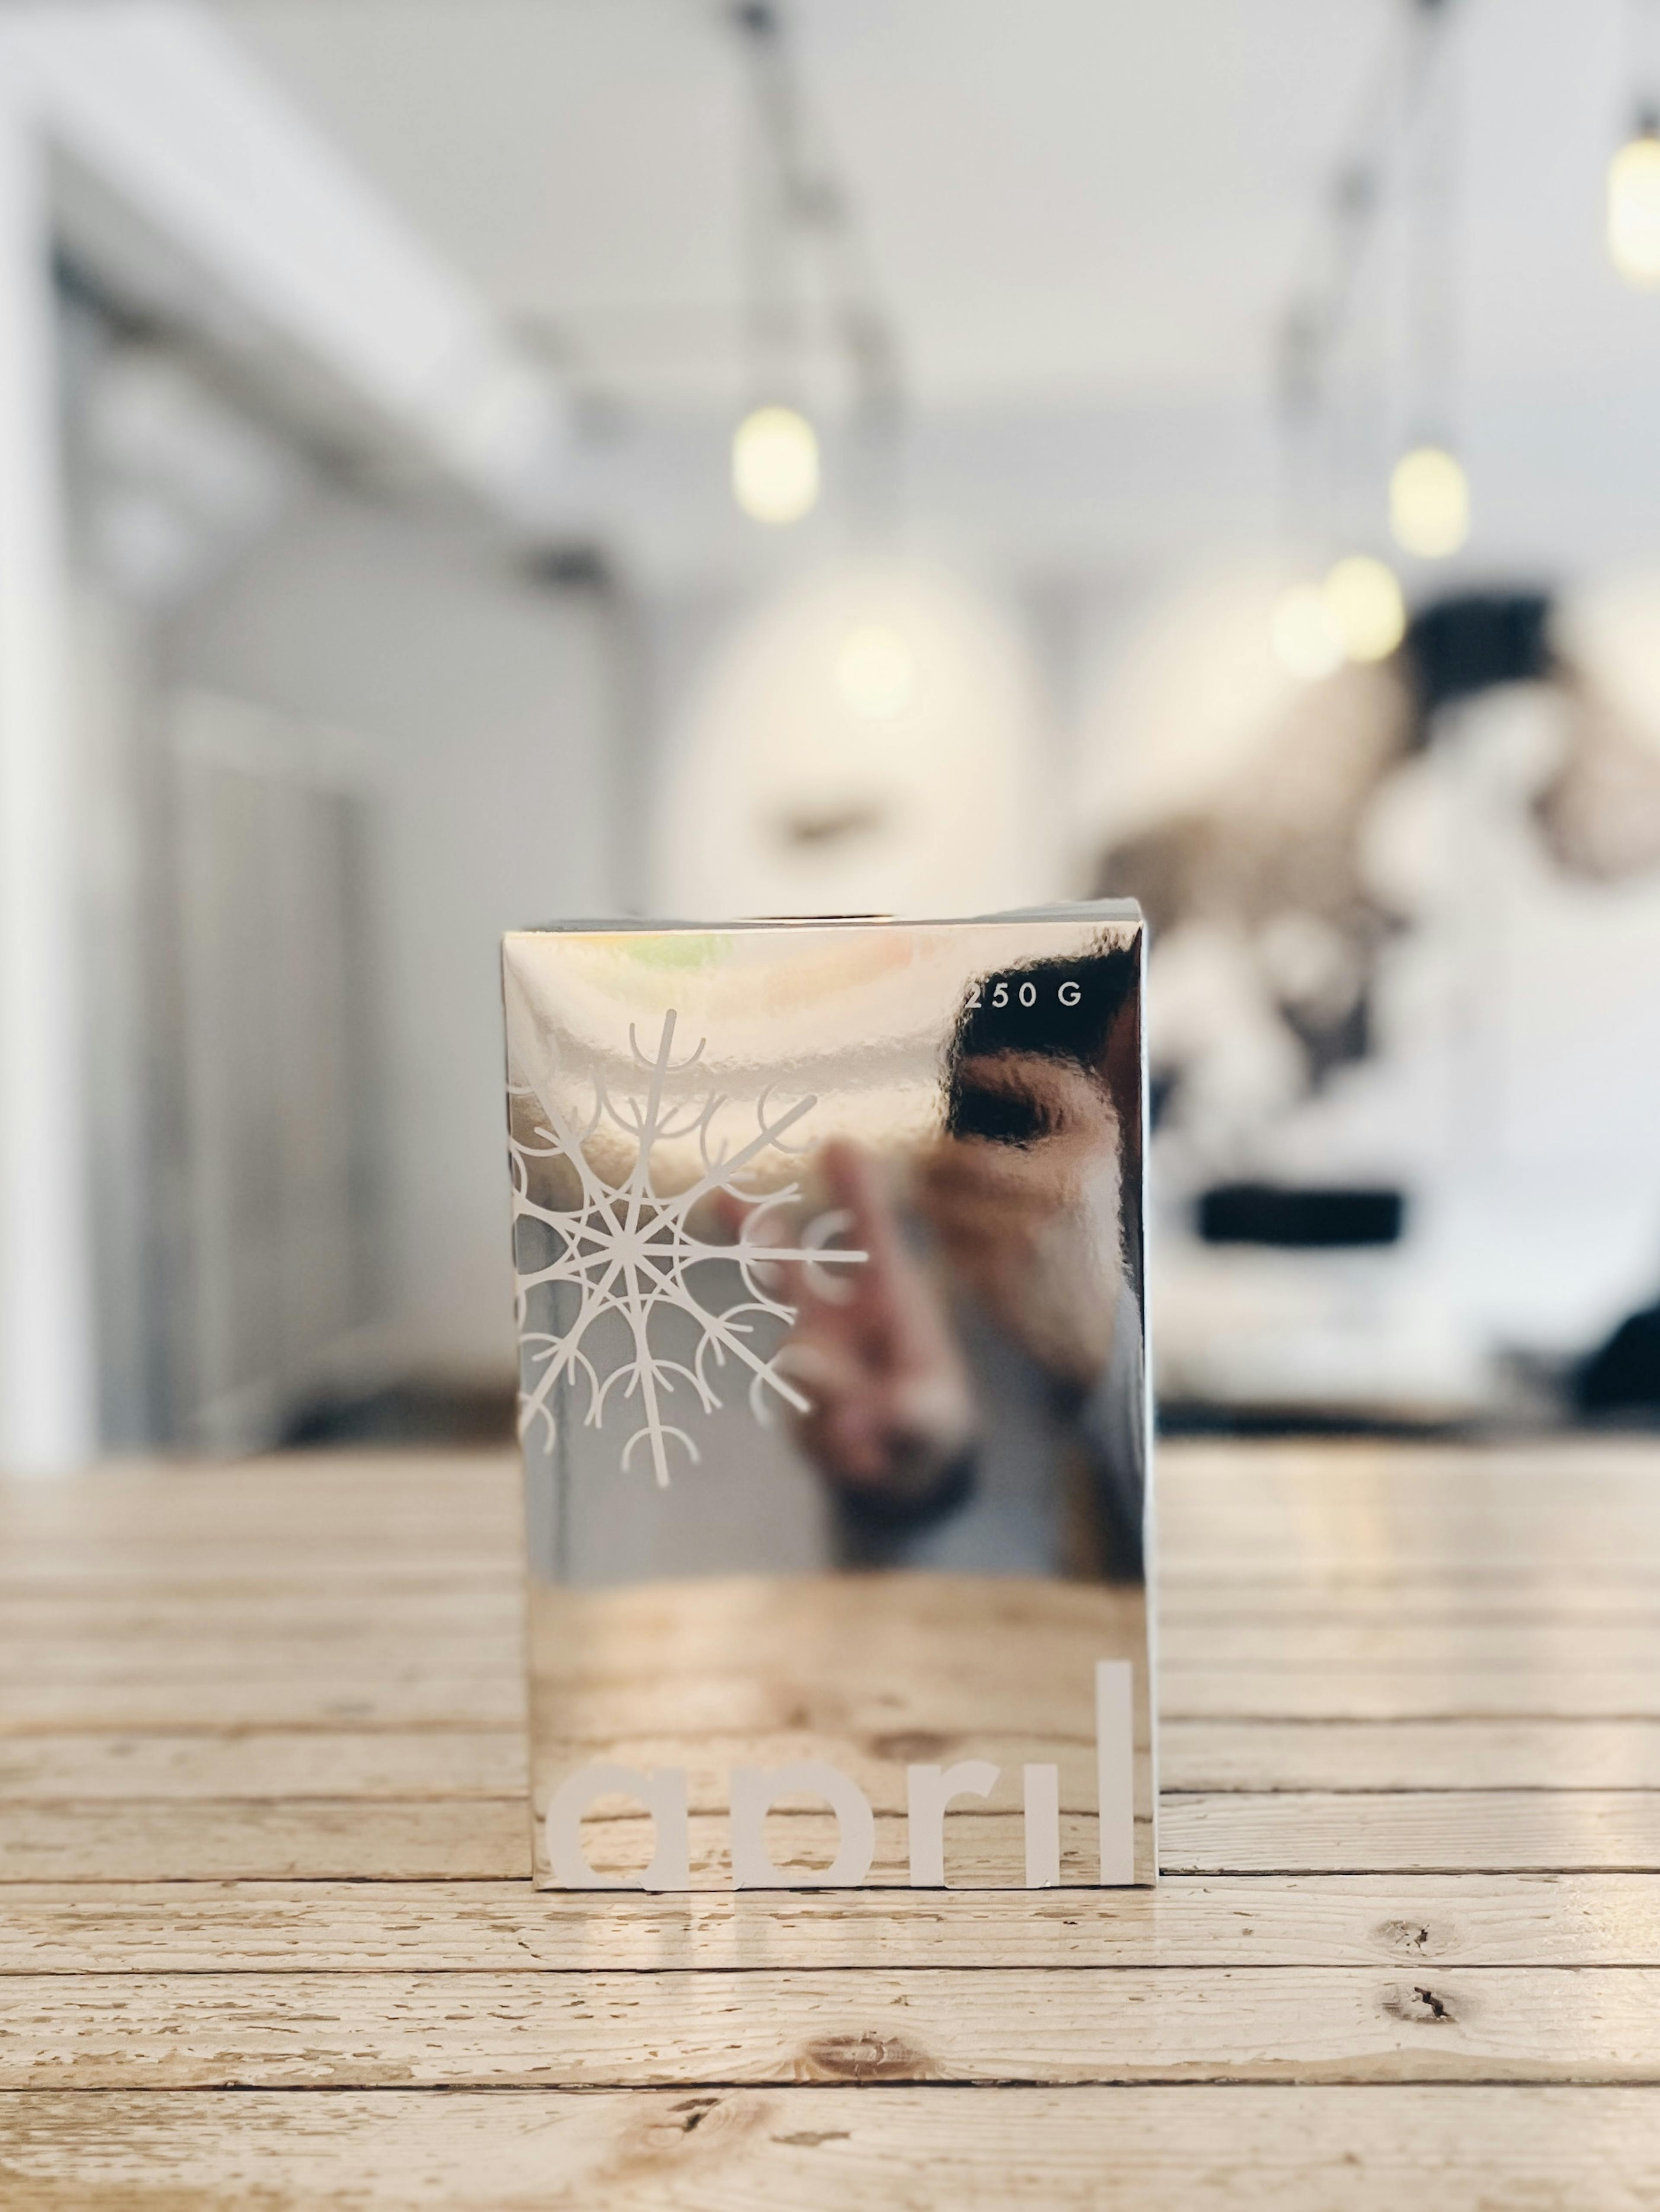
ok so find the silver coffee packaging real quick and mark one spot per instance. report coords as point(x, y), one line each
point(828, 1244)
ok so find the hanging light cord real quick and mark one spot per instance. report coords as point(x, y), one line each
point(801, 208)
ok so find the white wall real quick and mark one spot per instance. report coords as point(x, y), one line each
point(482, 706)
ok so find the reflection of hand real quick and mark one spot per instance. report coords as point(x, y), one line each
point(1031, 1224)
point(892, 1406)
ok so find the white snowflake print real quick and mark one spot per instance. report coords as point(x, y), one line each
point(626, 1253)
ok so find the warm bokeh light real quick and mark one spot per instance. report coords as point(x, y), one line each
point(1429, 502)
point(876, 672)
point(1364, 598)
point(774, 464)
point(1634, 209)
point(863, 743)
point(1306, 634)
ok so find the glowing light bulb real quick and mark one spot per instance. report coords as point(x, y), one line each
point(1306, 632)
point(774, 464)
point(876, 672)
point(1634, 209)
point(1364, 599)
point(1429, 503)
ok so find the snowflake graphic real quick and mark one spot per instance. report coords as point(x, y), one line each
point(627, 1251)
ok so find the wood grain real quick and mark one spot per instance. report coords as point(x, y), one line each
point(380, 1839)
point(504, 1927)
point(261, 1775)
point(1397, 1695)
point(268, 1764)
point(600, 2029)
point(1228, 2149)
point(423, 1694)
point(298, 1764)
point(1448, 1754)
point(430, 1694)
point(1538, 1654)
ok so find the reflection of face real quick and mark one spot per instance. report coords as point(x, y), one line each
point(1024, 1199)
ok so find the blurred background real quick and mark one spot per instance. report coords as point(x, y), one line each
point(467, 462)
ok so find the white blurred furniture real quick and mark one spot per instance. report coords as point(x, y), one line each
point(278, 1021)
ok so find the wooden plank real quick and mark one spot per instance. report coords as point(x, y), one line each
point(367, 1575)
point(333, 1611)
point(1522, 1598)
point(1451, 1754)
point(184, 1657)
point(602, 2029)
point(297, 1764)
point(486, 1839)
point(1335, 1644)
point(1207, 1475)
point(1321, 1647)
point(118, 1523)
point(1237, 2150)
point(319, 1840)
point(1376, 1512)
point(265, 1765)
point(349, 1585)
point(1568, 1670)
point(362, 1576)
point(1234, 1511)
point(1579, 1545)
point(352, 1602)
point(121, 1500)
point(1424, 1832)
point(260, 1561)
point(1410, 1920)
point(436, 1696)
point(1206, 1485)
point(1395, 1694)
point(419, 1697)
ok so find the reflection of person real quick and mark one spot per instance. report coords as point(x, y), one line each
point(979, 1380)
point(893, 1409)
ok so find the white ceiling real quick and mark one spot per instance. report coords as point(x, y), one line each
point(1063, 198)
point(1085, 215)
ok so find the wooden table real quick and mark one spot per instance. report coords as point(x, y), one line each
point(262, 1829)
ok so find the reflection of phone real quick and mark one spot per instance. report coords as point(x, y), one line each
point(1002, 1117)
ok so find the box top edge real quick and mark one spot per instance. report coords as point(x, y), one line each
point(634, 924)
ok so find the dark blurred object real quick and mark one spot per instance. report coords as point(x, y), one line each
point(573, 567)
point(1199, 1416)
point(1623, 1375)
point(1456, 648)
point(459, 1416)
point(1305, 1219)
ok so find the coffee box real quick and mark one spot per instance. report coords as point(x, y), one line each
point(828, 1240)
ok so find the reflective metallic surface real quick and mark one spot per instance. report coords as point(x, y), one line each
point(828, 1244)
